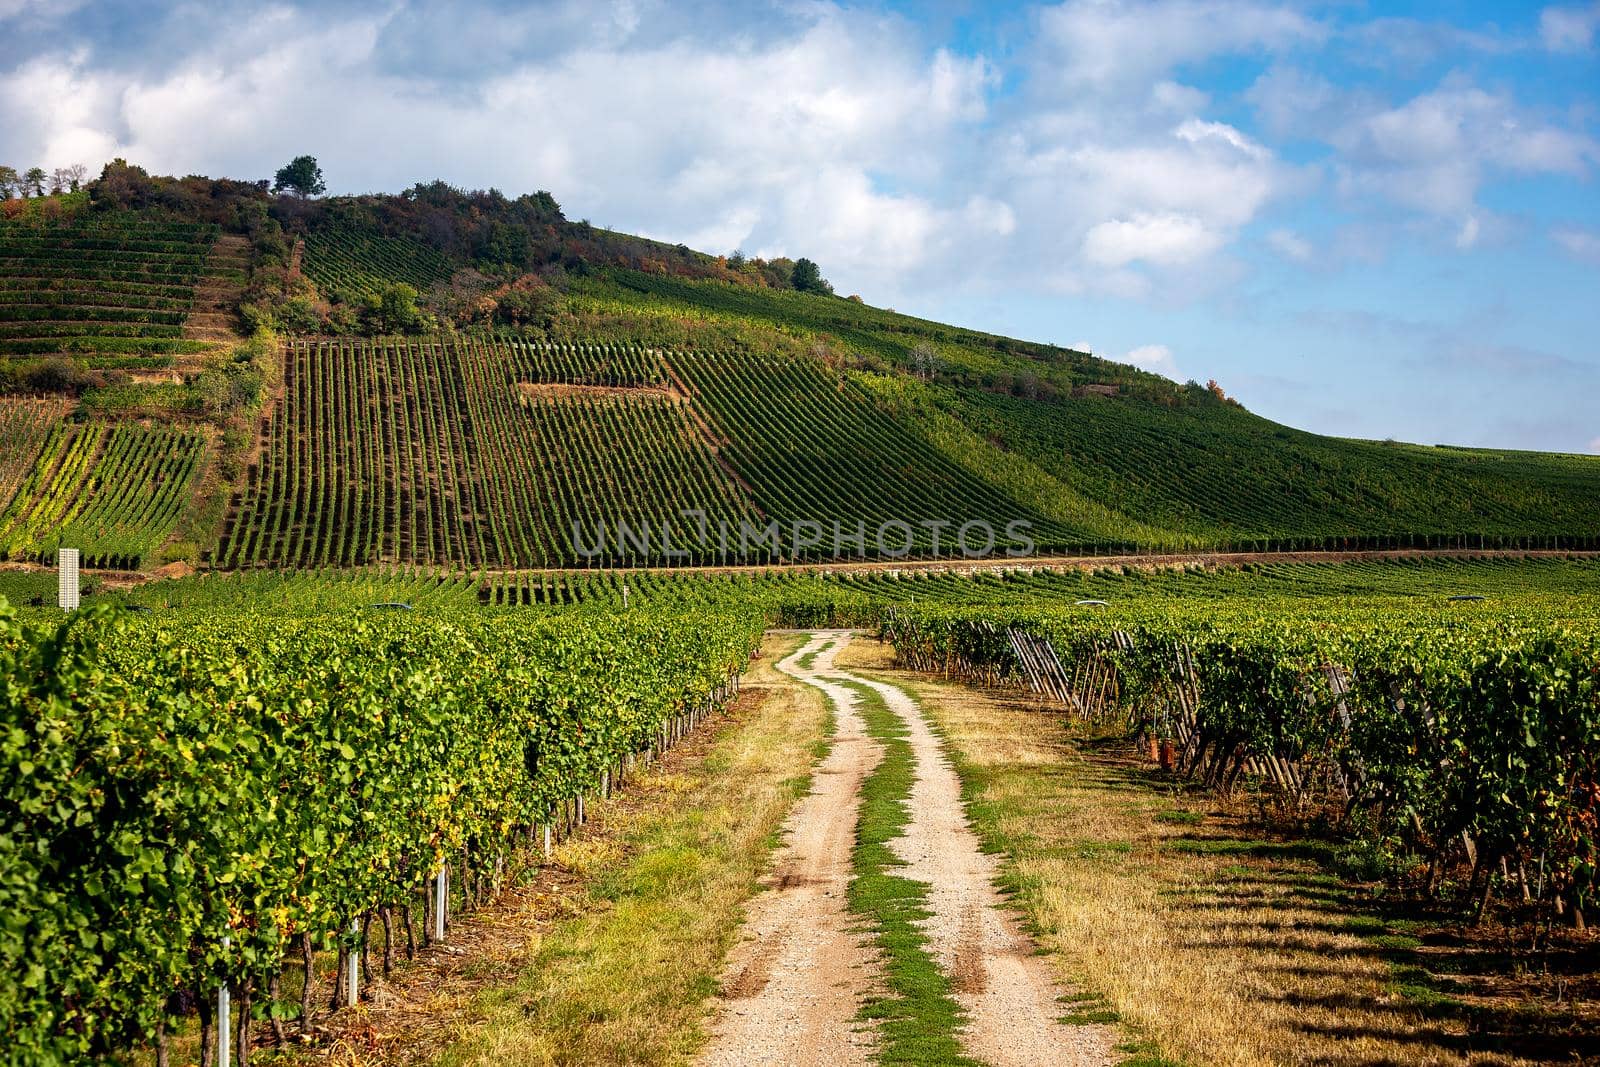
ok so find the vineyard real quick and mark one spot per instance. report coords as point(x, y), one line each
point(347, 265)
point(1448, 734)
point(114, 491)
point(113, 290)
point(817, 448)
point(432, 454)
point(457, 453)
point(185, 828)
point(796, 596)
point(1226, 476)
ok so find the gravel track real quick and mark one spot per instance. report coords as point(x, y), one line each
point(795, 983)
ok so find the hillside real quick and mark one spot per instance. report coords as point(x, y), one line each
point(200, 370)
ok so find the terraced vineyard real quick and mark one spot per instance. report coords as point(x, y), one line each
point(114, 491)
point(113, 290)
point(348, 264)
point(476, 454)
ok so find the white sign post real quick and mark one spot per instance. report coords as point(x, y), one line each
point(67, 579)
point(224, 1005)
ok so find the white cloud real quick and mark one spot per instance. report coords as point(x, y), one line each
point(1167, 240)
point(1122, 42)
point(1594, 447)
point(1154, 358)
point(1434, 152)
point(1569, 29)
point(1291, 245)
point(1467, 236)
point(1578, 242)
point(1197, 131)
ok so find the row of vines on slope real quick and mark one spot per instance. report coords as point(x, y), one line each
point(186, 804)
point(1463, 732)
point(431, 453)
point(114, 491)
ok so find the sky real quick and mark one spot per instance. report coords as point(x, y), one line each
point(1367, 220)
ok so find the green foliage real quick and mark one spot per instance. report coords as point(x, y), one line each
point(300, 176)
point(1216, 472)
point(1458, 720)
point(167, 784)
point(807, 278)
point(394, 310)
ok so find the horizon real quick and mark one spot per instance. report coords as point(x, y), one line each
point(1364, 224)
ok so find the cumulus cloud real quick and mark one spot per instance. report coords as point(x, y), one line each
point(1434, 153)
point(1569, 29)
point(1167, 239)
point(1108, 43)
point(780, 145)
point(1154, 358)
point(1086, 164)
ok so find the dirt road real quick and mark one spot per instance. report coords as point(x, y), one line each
point(794, 983)
point(807, 997)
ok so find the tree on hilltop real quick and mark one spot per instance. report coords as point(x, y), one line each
point(33, 182)
point(301, 176)
point(10, 182)
point(807, 278)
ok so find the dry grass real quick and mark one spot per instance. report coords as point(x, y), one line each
point(1221, 948)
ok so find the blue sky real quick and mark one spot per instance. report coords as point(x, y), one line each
point(1362, 219)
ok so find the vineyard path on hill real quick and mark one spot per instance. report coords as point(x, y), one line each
point(1006, 989)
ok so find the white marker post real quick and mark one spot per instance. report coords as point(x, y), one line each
point(355, 964)
point(67, 584)
point(441, 900)
point(224, 1001)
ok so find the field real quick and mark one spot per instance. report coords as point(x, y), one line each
point(349, 265)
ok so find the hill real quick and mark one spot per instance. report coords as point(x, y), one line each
point(197, 369)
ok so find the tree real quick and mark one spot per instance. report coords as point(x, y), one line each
point(75, 175)
point(394, 310)
point(301, 176)
point(10, 182)
point(33, 182)
point(808, 278)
